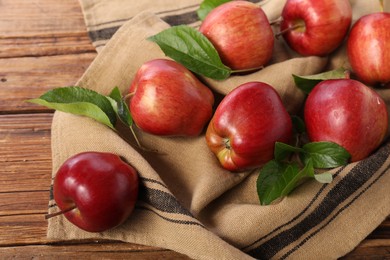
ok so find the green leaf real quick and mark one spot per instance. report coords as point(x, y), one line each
point(192, 49)
point(325, 154)
point(307, 83)
point(277, 180)
point(207, 5)
point(282, 150)
point(325, 177)
point(79, 101)
point(121, 107)
point(293, 178)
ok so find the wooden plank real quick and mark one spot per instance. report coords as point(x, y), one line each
point(23, 229)
point(30, 77)
point(381, 232)
point(25, 136)
point(97, 250)
point(45, 45)
point(23, 203)
point(27, 18)
point(25, 154)
point(42, 28)
point(370, 249)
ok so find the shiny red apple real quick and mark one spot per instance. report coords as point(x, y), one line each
point(96, 191)
point(246, 125)
point(369, 48)
point(346, 112)
point(167, 99)
point(241, 33)
point(315, 27)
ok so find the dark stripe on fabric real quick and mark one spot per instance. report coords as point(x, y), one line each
point(172, 20)
point(102, 34)
point(162, 201)
point(335, 215)
point(153, 181)
point(355, 179)
point(177, 221)
point(187, 18)
point(157, 13)
point(297, 216)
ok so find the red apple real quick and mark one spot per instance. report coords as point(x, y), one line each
point(246, 125)
point(368, 48)
point(241, 33)
point(346, 112)
point(167, 99)
point(99, 188)
point(313, 27)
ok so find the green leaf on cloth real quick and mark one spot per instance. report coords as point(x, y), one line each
point(325, 154)
point(79, 101)
point(192, 49)
point(277, 179)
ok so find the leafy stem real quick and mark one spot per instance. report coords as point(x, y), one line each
point(294, 164)
point(85, 102)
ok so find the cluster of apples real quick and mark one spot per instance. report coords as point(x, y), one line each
point(169, 100)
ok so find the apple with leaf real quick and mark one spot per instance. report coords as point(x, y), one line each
point(241, 33)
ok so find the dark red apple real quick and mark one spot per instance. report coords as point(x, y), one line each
point(346, 112)
point(167, 99)
point(246, 125)
point(313, 27)
point(100, 189)
point(241, 33)
point(369, 48)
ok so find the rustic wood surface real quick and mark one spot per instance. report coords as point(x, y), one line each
point(44, 44)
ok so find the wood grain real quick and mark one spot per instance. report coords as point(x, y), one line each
point(45, 45)
point(85, 251)
point(29, 77)
point(27, 18)
point(25, 157)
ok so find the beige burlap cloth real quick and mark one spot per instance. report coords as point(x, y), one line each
point(187, 202)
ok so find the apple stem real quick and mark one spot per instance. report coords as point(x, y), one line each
point(381, 6)
point(347, 74)
point(136, 140)
point(276, 21)
point(227, 143)
point(47, 216)
point(139, 143)
point(288, 29)
point(128, 96)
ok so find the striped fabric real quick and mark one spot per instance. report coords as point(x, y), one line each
point(187, 202)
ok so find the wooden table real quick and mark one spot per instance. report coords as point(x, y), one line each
point(44, 44)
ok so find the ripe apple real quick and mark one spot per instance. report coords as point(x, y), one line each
point(346, 112)
point(312, 27)
point(246, 125)
point(241, 33)
point(368, 48)
point(96, 191)
point(167, 99)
